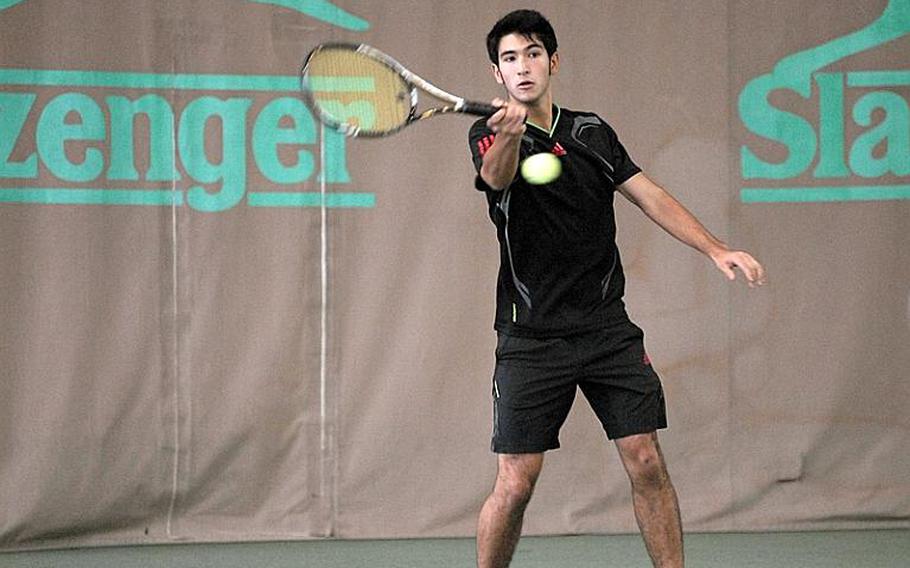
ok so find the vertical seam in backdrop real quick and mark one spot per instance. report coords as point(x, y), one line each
point(324, 441)
point(732, 432)
point(175, 317)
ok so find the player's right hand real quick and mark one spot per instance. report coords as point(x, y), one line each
point(509, 119)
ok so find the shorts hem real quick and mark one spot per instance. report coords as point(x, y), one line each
point(523, 450)
point(634, 430)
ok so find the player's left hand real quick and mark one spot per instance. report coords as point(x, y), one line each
point(728, 261)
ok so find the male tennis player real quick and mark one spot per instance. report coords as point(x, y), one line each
point(560, 316)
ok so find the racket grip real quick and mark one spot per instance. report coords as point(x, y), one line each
point(479, 109)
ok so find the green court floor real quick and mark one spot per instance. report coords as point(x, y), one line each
point(847, 549)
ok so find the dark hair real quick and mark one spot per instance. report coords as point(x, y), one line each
point(528, 23)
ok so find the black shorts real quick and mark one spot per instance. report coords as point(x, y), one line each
point(535, 382)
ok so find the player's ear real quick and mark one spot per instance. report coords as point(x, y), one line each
point(554, 63)
point(496, 73)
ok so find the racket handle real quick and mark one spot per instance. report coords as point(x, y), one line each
point(479, 109)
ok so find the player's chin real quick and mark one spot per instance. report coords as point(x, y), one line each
point(526, 97)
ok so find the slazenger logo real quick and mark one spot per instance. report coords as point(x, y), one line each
point(58, 123)
point(880, 152)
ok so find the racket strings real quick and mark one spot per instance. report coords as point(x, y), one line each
point(356, 93)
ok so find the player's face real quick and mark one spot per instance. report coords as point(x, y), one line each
point(524, 68)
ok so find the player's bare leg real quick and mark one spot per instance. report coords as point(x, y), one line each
point(501, 517)
point(654, 499)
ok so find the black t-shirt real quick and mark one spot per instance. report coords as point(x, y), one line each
point(560, 271)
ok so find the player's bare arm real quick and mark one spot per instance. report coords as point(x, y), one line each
point(669, 214)
point(500, 163)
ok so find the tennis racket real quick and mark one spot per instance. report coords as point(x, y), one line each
point(360, 91)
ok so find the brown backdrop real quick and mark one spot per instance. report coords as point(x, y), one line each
point(170, 373)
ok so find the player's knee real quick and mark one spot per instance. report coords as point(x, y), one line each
point(515, 489)
point(515, 494)
point(646, 468)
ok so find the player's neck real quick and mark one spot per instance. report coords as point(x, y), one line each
point(540, 112)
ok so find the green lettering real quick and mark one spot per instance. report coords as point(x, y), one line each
point(231, 169)
point(269, 135)
point(334, 157)
point(333, 143)
point(832, 158)
point(161, 135)
point(54, 132)
point(893, 131)
point(791, 130)
point(14, 109)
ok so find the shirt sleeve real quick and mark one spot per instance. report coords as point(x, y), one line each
point(623, 166)
point(480, 138)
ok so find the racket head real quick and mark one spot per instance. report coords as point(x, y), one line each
point(357, 90)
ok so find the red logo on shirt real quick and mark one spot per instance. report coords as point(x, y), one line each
point(559, 150)
point(484, 143)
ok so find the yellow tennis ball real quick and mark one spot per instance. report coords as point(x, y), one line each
point(541, 168)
